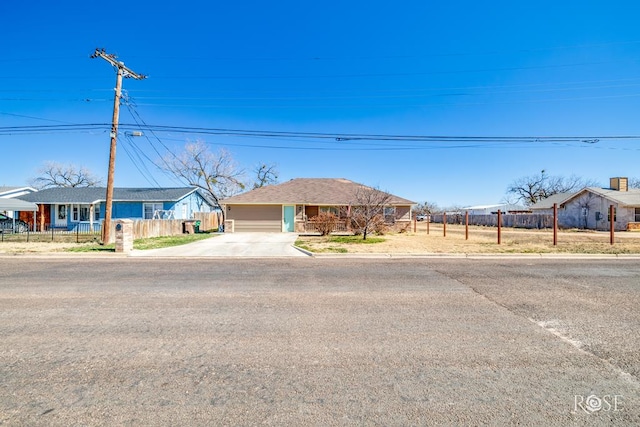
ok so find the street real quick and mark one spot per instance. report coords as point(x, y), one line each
point(310, 341)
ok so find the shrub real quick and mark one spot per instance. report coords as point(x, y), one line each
point(325, 222)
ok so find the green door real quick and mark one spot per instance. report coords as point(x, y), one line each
point(289, 216)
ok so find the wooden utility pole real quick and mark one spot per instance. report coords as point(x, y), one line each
point(125, 72)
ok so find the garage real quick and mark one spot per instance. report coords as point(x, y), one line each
point(252, 218)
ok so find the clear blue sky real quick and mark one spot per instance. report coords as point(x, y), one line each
point(459, 68)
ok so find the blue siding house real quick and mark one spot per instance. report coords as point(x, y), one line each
point(69, 207)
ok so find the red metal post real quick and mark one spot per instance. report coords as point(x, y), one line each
point(613, 224)
point(444, 224)
point(466, 225)
point(428, 221)
point(555, 224)
point(499, 226)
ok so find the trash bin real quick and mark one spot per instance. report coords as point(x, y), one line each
point(196, 226)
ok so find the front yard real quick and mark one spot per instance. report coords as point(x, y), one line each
point(481, 240)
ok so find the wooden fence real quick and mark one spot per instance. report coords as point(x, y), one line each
point(531, 221)
point(209, 221)
point(143, 228)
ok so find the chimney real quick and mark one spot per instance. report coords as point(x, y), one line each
point(619, 184)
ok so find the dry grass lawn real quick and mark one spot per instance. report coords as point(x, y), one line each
point(483, 240)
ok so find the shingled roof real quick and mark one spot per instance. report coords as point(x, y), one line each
point(89, 195)
point(307, 191)
point(623, 198)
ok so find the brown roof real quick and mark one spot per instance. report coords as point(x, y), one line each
point(307, 191)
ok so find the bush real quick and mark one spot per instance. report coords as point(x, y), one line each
point(325, 222)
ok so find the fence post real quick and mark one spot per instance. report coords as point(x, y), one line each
point(555, 224)
point(466, 225)
point(499, 226)
point(444, 224)
point(428, 221)
point(613, 224)
point(52, 230)
point(415, 224)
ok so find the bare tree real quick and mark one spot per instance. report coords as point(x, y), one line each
point(634, 182)
point(367, 209)
point(426, 208)
point(531, 189)
point(53, 174)
point(585, 203)
point(217, 174)
point(265, 175)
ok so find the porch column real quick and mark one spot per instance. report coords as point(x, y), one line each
point(91, 211)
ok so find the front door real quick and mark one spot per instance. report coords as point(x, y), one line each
point(61, 213)
point(289, 218)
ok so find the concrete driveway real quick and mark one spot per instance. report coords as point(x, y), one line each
point(232, 245)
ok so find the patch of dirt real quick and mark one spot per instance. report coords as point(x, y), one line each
point(35, 247)
point(483, 240)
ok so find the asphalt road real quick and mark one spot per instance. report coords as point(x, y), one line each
point(319, 342)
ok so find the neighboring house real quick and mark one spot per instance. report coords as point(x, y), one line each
point(14, 208)
point(493, 209)
point(589, 207)
point(68, 207)
point(288, 207)
point(10, 192)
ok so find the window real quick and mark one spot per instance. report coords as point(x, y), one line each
point(615, 214)
point(84, 213)
point(637, 215)
point(150, 208)
point(74, 215)
point(62, 212)
point(96, 213)
point(389, 214)
point(330, 209)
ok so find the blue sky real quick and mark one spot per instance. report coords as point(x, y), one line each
point(418, 68)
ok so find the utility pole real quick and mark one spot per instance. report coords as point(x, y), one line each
point(125, 72)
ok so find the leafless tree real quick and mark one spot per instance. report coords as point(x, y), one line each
point(53, 174)
point(367, 209)
point(217, 174)
point(634, 182)
point(426, 208)
point(265, 175)
point(531, 189)
point(585, 203)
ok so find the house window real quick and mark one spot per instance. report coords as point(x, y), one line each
point(615, 214)
point(637, 215)
point(150, 208)
point(84, 213)
point(389, 214)
point(330, 209)
point(62, 212)
point(96, 213)
point(74, 215)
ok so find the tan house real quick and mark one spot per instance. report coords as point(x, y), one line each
point(292, 205)
point(589, 207)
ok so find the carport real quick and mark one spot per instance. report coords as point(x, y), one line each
point(17, 205)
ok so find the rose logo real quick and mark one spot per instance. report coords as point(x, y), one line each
point(593, 403)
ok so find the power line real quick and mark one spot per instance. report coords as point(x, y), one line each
point(338, 136)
